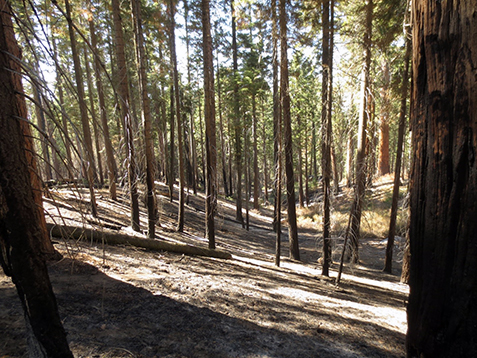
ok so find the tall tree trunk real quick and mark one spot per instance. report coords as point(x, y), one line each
point(221, 133)
point(397, 173)
point(237, 123)
point(126, 114)
point(94, 120)
point(171, 177)
point(383, 160)
point(334, 161)
point(313, 147)
point(192, 151)
point(256, 179)
point(21, 222)
point(110, 161)
point(301, 193)
point(264, 152)
point(444, 181)
point(41, 122)
point(442, 313)
point(285, 101)
point(210, 137)
point(146, 120)
point(64, 129)
point(349, 159)
point(277, 136)
point(89, 163)
point(180, 146)
point(326, 139)
point(364, 113)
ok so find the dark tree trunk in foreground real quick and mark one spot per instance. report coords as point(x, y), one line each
point(210, 138)
point(442, 310)
point(21, 235)
point(285, 100)
point(397, 172)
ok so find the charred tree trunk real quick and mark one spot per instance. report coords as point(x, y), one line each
point(180, 144)
point(21, 227)
point(126, 115)
point(326, 139)
point(110, 161)
point(285, 101)
point(383, 160)
point(442, 310)
point(237, 123)
point(210, 137)
point(364, 115)
point(89, 163)
point(397, 172)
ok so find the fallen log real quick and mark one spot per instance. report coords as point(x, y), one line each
point(110, 238)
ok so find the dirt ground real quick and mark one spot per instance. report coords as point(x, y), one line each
point(123, 301)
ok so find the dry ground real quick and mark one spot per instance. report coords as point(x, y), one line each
point(124, 301)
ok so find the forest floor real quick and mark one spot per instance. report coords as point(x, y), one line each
point(124, 301)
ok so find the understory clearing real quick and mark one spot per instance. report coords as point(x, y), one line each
point(125, 301)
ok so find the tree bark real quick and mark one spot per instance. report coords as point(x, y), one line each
point(364, 115)
point(397, 172)
point(88, 162)
point(326, 139)
point(124, 101)
point(210, 137)
point(112, 238)
point(94, 120)
point(237, 124)
point(383, 160)
point(442, 313)
point(285, 101)
point(147, 121)
point(21, 223)
point(110, 161)
point(180, 145)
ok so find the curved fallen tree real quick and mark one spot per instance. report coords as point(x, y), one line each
point(74, 232)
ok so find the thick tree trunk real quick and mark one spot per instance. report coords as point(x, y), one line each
point(210, 136)
point(442, 310)
point(21, 223)
point(285, 101)
point(124, 101)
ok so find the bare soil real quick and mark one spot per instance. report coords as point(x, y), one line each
point(122, 301)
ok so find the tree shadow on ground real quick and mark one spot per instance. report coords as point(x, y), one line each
point(106, 317)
